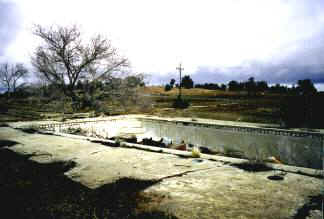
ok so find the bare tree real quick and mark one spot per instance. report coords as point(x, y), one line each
point(64, 58)
point(10, 74)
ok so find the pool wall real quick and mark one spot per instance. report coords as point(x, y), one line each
point(291, 147)
point(297, 148)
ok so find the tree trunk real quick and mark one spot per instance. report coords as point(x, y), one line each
point(75, 100)
point(8, 93)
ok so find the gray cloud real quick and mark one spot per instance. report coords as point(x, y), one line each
point(9, 24)
point(300, 58)
point(306, 61)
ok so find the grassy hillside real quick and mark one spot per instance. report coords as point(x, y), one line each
point(159, 90)
point(216, 104)
point(153, 100)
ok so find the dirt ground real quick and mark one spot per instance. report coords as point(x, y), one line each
point(178, 186)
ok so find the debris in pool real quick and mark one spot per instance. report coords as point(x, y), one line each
point(206, 150)
point(274, 160)
point(181, 147)
point(275, 177)
point(151, 142)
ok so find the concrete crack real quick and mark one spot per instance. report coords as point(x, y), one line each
point(95, 152)
point(40, 154)
point(183, 173)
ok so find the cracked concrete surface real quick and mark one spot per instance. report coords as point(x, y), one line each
point(191, 188)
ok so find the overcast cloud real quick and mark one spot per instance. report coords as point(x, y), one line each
point(9, 25)
point(300, 56)
point(280, 41)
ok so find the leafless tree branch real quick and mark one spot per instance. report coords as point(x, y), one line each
point(10, 74)
point(64, 59)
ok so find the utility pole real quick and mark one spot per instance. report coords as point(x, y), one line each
point(180, 69)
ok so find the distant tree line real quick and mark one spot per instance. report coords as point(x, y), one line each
point(186, 82)
point(212, 86)
point(169, 86)
point(251, 86)
point(300, 105)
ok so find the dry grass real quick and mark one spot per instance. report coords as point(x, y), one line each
point(159, 90)
point(210, 104)
point(215, 104)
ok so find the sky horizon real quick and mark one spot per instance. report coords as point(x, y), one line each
point(279, 41)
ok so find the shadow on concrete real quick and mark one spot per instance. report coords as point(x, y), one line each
point(314, 203)
point(7, 143)
point(32, 190)
point(34, 131)
point(29, 130)
point(252, 166)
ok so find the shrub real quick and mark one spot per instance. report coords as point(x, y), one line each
point(167, 87)
point(195, 152)
point(302, 111)
point(180, 103)
point(187, 82)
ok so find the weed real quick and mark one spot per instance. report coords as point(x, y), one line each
point(180, 103)
point(195, 152)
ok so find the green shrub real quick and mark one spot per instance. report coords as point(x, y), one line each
point(180, 103)
point(302, 111)
point(167, 87)
point(195, 152)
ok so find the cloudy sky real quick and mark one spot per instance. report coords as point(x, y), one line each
point(280, 41)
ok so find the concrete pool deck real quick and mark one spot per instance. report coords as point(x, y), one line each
point(190, 187)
